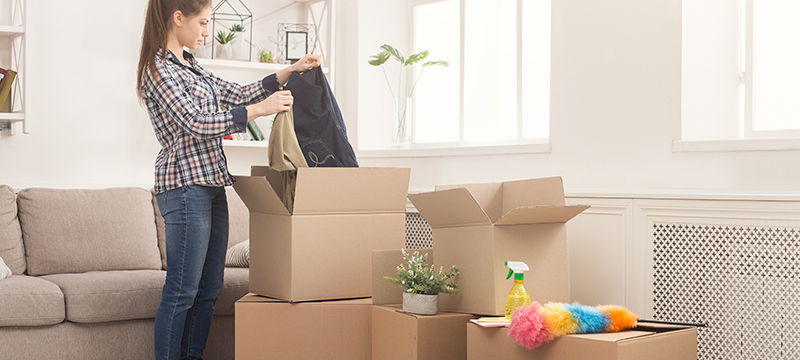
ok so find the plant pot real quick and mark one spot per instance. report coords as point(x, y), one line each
point(223, 51)
point(420, 304)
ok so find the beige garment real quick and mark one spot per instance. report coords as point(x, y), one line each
point(285, 155)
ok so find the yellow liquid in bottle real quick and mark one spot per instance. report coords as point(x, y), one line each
point(518, 296)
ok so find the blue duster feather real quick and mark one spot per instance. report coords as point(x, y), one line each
point(590, 319)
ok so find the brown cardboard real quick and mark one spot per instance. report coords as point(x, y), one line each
point(322, 250)
point(400, 336)
point(385, 263)
point(642, 343)
point(477, 227)
point(273, 329)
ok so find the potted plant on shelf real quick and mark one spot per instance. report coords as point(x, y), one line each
point(224, 50)
point(265, 56)
point(237, 44)
point(422, 284)
point(402, 101)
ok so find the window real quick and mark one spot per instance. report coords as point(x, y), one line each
point(772, 57)
point(496, 90)
point(740, 72)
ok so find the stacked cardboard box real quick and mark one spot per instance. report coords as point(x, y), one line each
point(328, 247)
point(306, 262)
point(477, 227)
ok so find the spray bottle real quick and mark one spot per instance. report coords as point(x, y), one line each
point(518, 296)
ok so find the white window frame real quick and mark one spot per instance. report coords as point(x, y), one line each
point(461, 143)
point(749, 132)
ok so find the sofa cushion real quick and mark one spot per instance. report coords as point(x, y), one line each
point(76, 230)
point(101, 296)
point(236, 286)
point(30, 301)
point(238, 255)
point(239, 223)
point(5, 271)
point(11, 249)
point(239, 218)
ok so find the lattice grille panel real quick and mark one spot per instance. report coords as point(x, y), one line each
point(743, 281)
point(418, 232)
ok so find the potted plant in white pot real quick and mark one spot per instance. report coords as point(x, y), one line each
point(223, 49)
point(422, 284)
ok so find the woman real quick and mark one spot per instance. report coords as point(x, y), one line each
point(183, 101)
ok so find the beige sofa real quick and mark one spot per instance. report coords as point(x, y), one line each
point(87, 271)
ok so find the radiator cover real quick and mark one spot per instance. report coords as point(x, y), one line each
point(742, 281)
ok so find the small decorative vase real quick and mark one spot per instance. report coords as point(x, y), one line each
point(402, 126)
point(420, 304)
point(223, 51)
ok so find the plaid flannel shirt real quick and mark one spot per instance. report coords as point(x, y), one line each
point(184, 107)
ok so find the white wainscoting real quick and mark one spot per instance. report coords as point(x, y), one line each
point(611, 244)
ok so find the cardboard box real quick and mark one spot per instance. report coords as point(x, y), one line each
point(642, 343)
point(322, 249)
point(397, 335)
point(274, 329)
point(478, 227)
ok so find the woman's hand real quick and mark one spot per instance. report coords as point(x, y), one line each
point(277, 102)
point(307, 63)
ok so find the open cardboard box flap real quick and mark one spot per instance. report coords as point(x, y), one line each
point(257, 193)
point(458, 207)
point(541, 214)
point(452, 207)
point(328, 190)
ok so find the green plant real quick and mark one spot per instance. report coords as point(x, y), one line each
point(418, 278)
point(264, 56)
point(387, 51)
point(223, 38)
point(237, 28)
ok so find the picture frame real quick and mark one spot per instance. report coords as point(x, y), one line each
point(295, 41)
point(296, 45)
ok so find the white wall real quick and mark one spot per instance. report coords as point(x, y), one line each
point(615, 99)
point(615, 111)
point(88, 128)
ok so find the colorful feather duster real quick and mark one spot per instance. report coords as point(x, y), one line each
point(534, 325)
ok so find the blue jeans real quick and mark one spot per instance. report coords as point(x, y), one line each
point(196, 224)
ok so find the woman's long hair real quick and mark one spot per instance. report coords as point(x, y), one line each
point(157, 24)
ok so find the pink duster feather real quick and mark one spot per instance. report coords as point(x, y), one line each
point(528, 326)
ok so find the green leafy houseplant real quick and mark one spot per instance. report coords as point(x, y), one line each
point(237, 28)
point(387, 51)
point(417, 278)
point(224, 38)
point(265, 56)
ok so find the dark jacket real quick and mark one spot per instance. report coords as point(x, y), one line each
point(318, 122)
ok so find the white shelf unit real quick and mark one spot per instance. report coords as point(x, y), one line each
point(247, 144)
point(213, 64)
point(19, 62)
